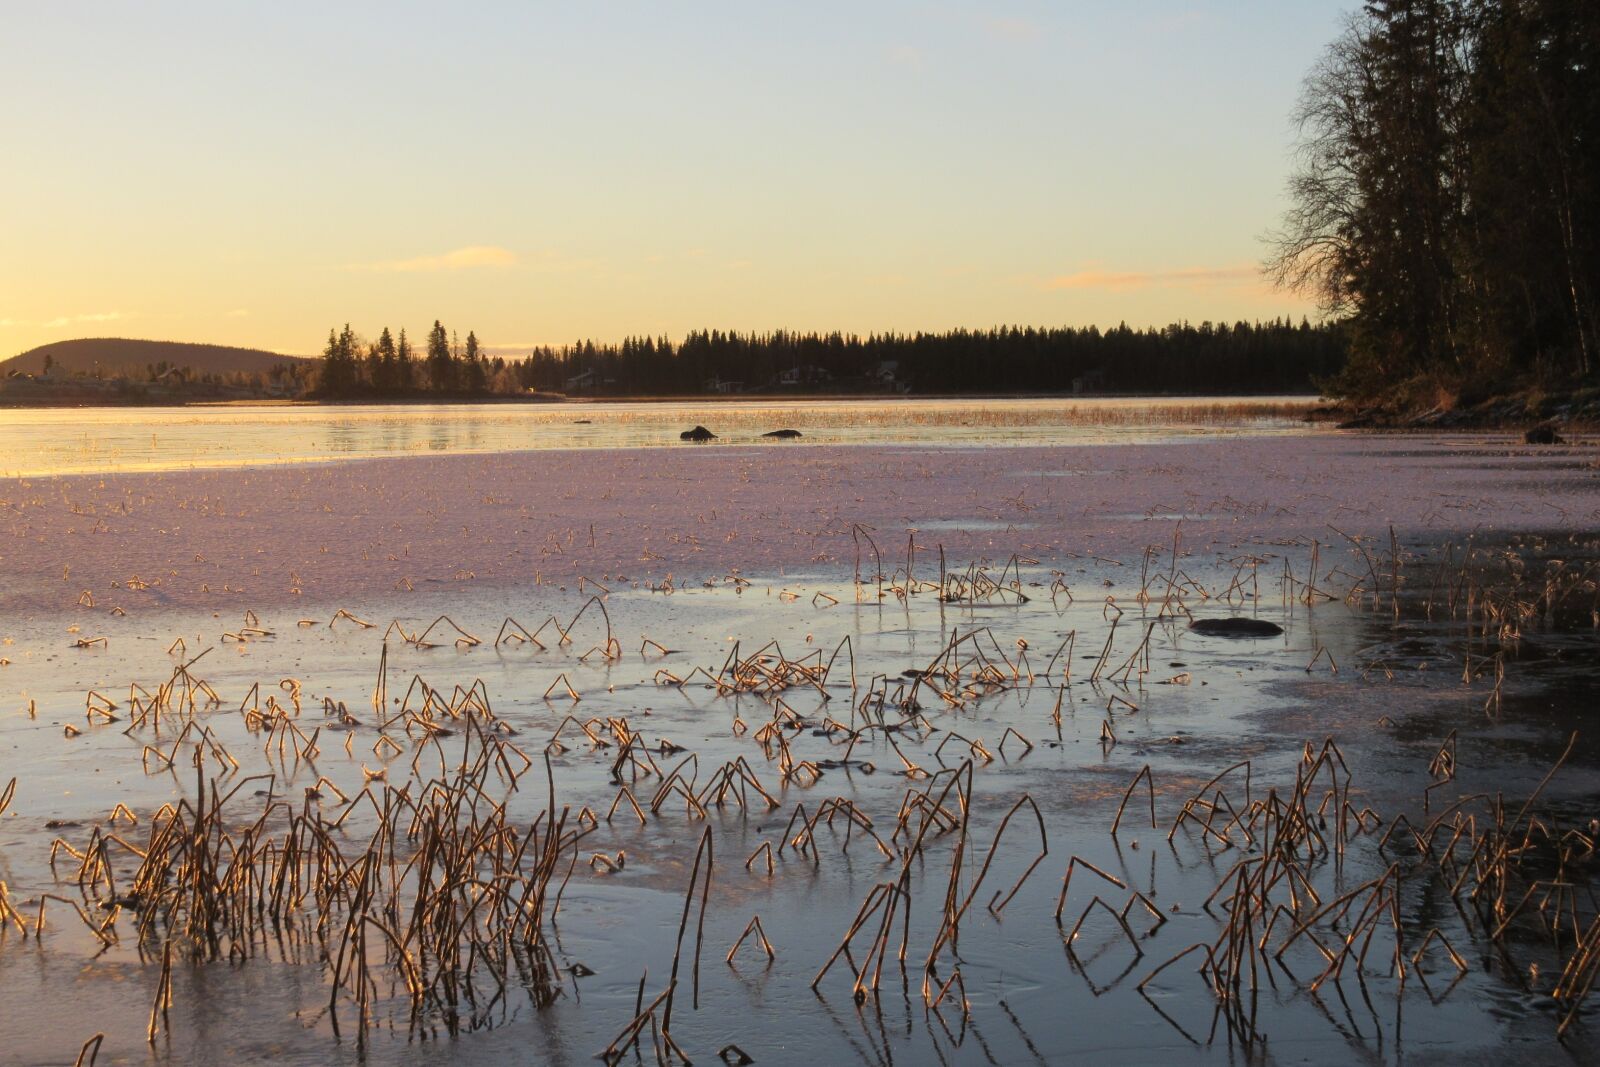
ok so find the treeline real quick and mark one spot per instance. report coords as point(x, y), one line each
point(1245, 357)
point(1447, 198)
point(389, 367)
point(159, 382)
point(1271, 357)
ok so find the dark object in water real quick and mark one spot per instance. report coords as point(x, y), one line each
point(699, 433)
point(782, 433)
point(1236, 627)
point(1543, 434)
point(582, 422)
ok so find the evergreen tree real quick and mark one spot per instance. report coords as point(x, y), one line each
point(473, 376)
point(441, 364)
point(1446, 193)
point(337, 373)
point(405, 364)
point(384, 363)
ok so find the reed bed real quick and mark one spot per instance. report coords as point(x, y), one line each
point(429, 903)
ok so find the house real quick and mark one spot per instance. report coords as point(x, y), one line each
point(579, 383)
point(885, 374)
point(719, 385)
point(804, 374)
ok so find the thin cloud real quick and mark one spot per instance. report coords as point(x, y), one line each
point(468, 258)
point(69, 320)
point(1123, 281)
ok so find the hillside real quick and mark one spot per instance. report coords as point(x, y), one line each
point(114, 354)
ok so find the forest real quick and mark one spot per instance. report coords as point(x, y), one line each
point(1446, 198)
point(1249, 358)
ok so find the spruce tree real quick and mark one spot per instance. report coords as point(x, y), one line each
point(441, 364)
point(474, 377)
point(405, 364)
point(336, 374)
point(383, 371)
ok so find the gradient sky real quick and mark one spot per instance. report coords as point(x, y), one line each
point(253, 173)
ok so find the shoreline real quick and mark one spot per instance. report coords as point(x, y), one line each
point(1573, 410)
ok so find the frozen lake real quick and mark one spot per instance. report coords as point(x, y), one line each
point(41, 441)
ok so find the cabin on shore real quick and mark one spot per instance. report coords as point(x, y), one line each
point(885, 374)
point(804, 374)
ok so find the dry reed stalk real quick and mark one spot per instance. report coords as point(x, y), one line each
point(754, 926)
point(90, 1051)
point(703, 853)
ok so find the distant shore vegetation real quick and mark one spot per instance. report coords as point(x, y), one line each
point(1446, 200)
point(1279, 356)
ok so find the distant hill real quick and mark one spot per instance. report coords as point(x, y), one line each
point(114, 354)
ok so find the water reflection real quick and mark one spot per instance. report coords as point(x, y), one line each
point(58, 441)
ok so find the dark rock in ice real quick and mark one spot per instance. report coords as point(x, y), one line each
point(782, 433)
point(699, 433)
point(1543, 434)
point(1236, 627)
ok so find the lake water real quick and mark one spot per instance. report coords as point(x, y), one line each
point(93, 440)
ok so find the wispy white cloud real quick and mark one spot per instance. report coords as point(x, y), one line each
point(1123, 281)
point(72, 320)
point(468, 258)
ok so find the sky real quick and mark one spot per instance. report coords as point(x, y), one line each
point(253, 174)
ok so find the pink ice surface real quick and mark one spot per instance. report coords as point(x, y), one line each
point(337, 532)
